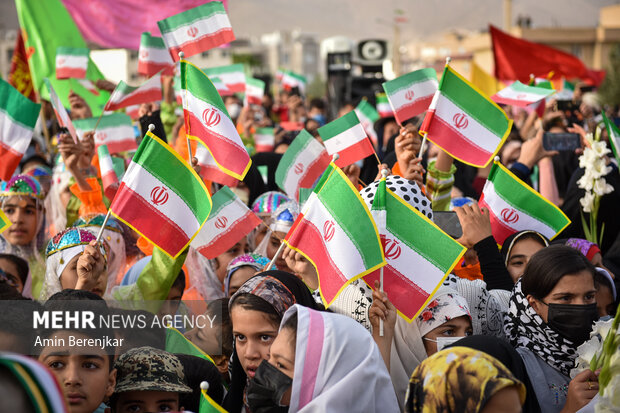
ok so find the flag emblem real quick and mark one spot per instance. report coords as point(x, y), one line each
point(329, 230)
point(299, 168)
point(221, 223)
point(211, 117)
point(509, 215)
point(391, 248)
point(159, 195)
point(460, 121)
point(410, 95)
point(192, 32)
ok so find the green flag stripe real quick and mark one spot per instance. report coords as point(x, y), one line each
point(152, 41)
point(17, 107)
point(345, 205)
point(338, 126)
point(486, 112)
point(74, 51)
point(163, 163)
point(264, 131)
point(301, 141)
point(409, 79)
point(190, 16)
point(513, 191)
point(199, 84)
point(520, 87)
point(612, 131)
point(420, 235)
point(221, 200)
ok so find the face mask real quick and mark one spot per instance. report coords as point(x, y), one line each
point(572, 321)
point(234, 109)
point(265, 391)
point(443, 342)
point(320, 118)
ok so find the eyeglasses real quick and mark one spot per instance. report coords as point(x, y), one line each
point(8, 279)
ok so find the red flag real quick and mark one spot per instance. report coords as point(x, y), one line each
point(516, 58)
point(19, 76)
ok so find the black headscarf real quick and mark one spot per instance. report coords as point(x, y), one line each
point(254, 181)
point(271, 161)
point(233, 402)
point(509, 357)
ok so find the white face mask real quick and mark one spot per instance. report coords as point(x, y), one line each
point(234, 109)
point(443, 342)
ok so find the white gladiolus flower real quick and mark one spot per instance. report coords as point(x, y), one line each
point(587, 158)
point(585, 353)
point(610, 402)
point(590, 138)
point(600, 148)
point(598, 168)
point(601, 187)
point(601, 328)
point(586, 182)
point(587, 202)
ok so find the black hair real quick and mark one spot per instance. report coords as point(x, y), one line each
point(291, 324)
point(16, 315)
point(196, 371)
point(545, 269)
point(36, 158)
point(20, 263)
point(220, 306)
point(317, 103)
point(255, 303)
point(179, 282)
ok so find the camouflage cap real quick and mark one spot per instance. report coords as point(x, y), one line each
point(149, 369)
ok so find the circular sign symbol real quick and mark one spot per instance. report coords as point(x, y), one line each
point(460, 121)
point(409, 95)
point(159, 195)
point(100, 136)
point(221, 223)
point(192, 31)
point(392, 249)
point(144, 53)
point(299, 168)
point(211, 117)
point(329, 228)
point(509, 215)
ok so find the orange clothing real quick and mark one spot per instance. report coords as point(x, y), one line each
point(92, 201)
point(469, 272)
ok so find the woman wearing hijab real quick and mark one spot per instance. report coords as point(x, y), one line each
point(321, 362)
point(463, 380)
point(552, 309)
point(242, 269)
point(256, 310)
point(518, 248)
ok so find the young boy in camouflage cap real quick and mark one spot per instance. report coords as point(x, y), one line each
point(148, 380)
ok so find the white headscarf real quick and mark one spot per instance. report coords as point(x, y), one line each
point(337, 365)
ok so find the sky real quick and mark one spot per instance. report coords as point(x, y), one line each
point(359, 19)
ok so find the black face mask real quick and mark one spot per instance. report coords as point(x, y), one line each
point(265, 391)
point(572, 321)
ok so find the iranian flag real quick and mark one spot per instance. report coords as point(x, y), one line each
point(302, 164)
point(125, 95)
point(161, 197)
point(411, 94)
point(254, 91)
point(383, 106)
point(233, 76)
point(209, 169)
point(114, 130)
point(108, 174)
point(521, 95)
point(207, 120)
point(337, 234)
point(133, 111)
point(221, 87)
point(291, 79)
point(515, 206)
point(230, 220)
point(71, 62)
point(418, 254)
point(346, 137)
point(465, 123)
point(264, 139)
point(153, 56)
point(368, 115)
point(613, 134)
point(88, 85)
point(61, 113)
point(18, 115)
point(196, 30)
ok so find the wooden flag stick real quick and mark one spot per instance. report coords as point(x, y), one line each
point(105, 221)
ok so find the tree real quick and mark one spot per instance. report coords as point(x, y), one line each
point(610, 88)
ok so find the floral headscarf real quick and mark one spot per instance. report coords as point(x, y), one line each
point(256, 261)
point(269, 289)
point(458, 379)
point(443, 308)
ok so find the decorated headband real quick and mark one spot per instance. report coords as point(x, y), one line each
point(39, 170)
point(21, 185)
point(67, 238)
point(268, 202)
point(96, 220)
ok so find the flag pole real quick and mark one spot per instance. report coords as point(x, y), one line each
point(105, 221)
point(422, 147)
point(384, 173)
point(98, 120)
point(276, 256)
point(189, 145)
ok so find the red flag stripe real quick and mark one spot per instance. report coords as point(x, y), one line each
point(221, 243)
point(354, 153)
point(69, 72)
point(150, 95)
point(413, 109)
point(500, 230)
point(201, 44)
point(9, 161)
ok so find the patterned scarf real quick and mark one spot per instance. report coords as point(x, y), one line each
point(525, 328)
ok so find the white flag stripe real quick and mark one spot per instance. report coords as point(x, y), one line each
point(447, 110)
point(69, 60)
point(345, 139)
point(206, 27)
point(253, 90)
point(14, 134)
point(111, 134)
point(231, 78)
point(156, 55)
point(174, 209)
point(209, 233)
point(421, 90)
point(306, 157)
point(106, 165)
point(340, 248)
point(509, 93)
point(525, 221)
point(154, 83)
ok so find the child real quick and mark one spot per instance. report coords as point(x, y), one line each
point(148, 380)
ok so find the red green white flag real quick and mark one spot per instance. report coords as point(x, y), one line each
point(108, 174)
point(383, 106)
point(125, 95)
point(302, 164)
point(613, 134)
point(61, 113)
point(411, 94)
point(209, 169)
point(233, 76)
point(254, 91)
point(196, 30)
point(418, 254)
point(346, 137)
point(221, 87)
point(337, 234)
point(368, 115)
point(114, 130)
point(291, 79)
point(229, 221)
point(153, 56)
point(161, 197)
point(207, 120)
point(71, 62)
point(88, 85)
point(518, 94)
point(464, 122)
point(18, 115)
point(514, 206)
point(264, 139)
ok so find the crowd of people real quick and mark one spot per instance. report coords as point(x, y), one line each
point(500, 335)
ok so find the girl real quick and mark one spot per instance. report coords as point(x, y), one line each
point(312, 367)
point(552, 309)
point(242, 269)
point(519, 248)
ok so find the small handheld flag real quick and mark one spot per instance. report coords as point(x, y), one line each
point(368, 115)
point(383, 106)
point(613, 134)
point(411, 94)
point(125, 95)
point(114, 130)
point(233, 76)
point(518, 94)
point(264, 139)
point(346, 137)
point(153, 56)
point(71, 62)
point(108, 174)
point(254, 91)
point(61, 113)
